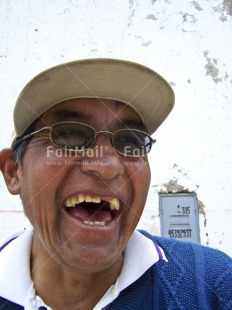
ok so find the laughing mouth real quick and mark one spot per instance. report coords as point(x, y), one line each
point(92, 209)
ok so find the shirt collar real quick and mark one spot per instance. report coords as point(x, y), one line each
point(140, 254)
point(15, 278)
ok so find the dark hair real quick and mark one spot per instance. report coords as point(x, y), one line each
point(18, 149)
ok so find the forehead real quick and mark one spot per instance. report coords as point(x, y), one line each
point(91, 110)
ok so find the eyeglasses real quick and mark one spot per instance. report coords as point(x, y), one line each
point(79, 137)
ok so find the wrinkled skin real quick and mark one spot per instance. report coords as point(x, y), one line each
point(86, 258)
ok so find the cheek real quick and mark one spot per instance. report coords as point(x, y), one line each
point(142, 185)
point(140, 176)
point(38, 182)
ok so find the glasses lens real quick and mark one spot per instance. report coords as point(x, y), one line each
point(132, 142)
point(73, 136)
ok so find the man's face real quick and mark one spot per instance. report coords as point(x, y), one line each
point(72, 199)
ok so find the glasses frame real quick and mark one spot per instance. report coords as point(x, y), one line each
point(96, 133)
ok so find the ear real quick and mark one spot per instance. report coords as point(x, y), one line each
point(9, 170)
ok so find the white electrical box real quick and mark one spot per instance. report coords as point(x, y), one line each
point(179, 217)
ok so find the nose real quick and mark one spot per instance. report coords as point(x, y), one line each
point(102, 159)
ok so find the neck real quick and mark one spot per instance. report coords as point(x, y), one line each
point(61, 287)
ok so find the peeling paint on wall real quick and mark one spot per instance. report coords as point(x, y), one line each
point(228, 6)
point(225, 8)
point(197, 6)
point(213, 70)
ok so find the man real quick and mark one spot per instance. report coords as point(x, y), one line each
point(79, 163)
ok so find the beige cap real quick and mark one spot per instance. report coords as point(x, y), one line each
point(141, 88)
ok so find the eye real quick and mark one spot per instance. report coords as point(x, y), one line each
point(71, 135)
point(128, 138)
point(131, 139)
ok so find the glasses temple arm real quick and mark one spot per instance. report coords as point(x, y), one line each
point(19, 140)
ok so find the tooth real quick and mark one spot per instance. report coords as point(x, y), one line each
point(94, 223)
point(81, 198)
point(71, 202)
point(96, 199)
point(88, 198)
point(88, 223)
point(114, 204)
point(68, 202)
point(99, 223)
point(74, 200)
point(112, 207)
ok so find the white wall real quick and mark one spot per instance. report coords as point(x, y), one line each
point(189, 42)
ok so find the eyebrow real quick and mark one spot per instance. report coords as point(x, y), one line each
point(63, 115)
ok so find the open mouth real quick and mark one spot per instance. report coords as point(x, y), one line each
point(93, 210)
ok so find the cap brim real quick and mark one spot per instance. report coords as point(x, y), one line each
point(141, 88)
